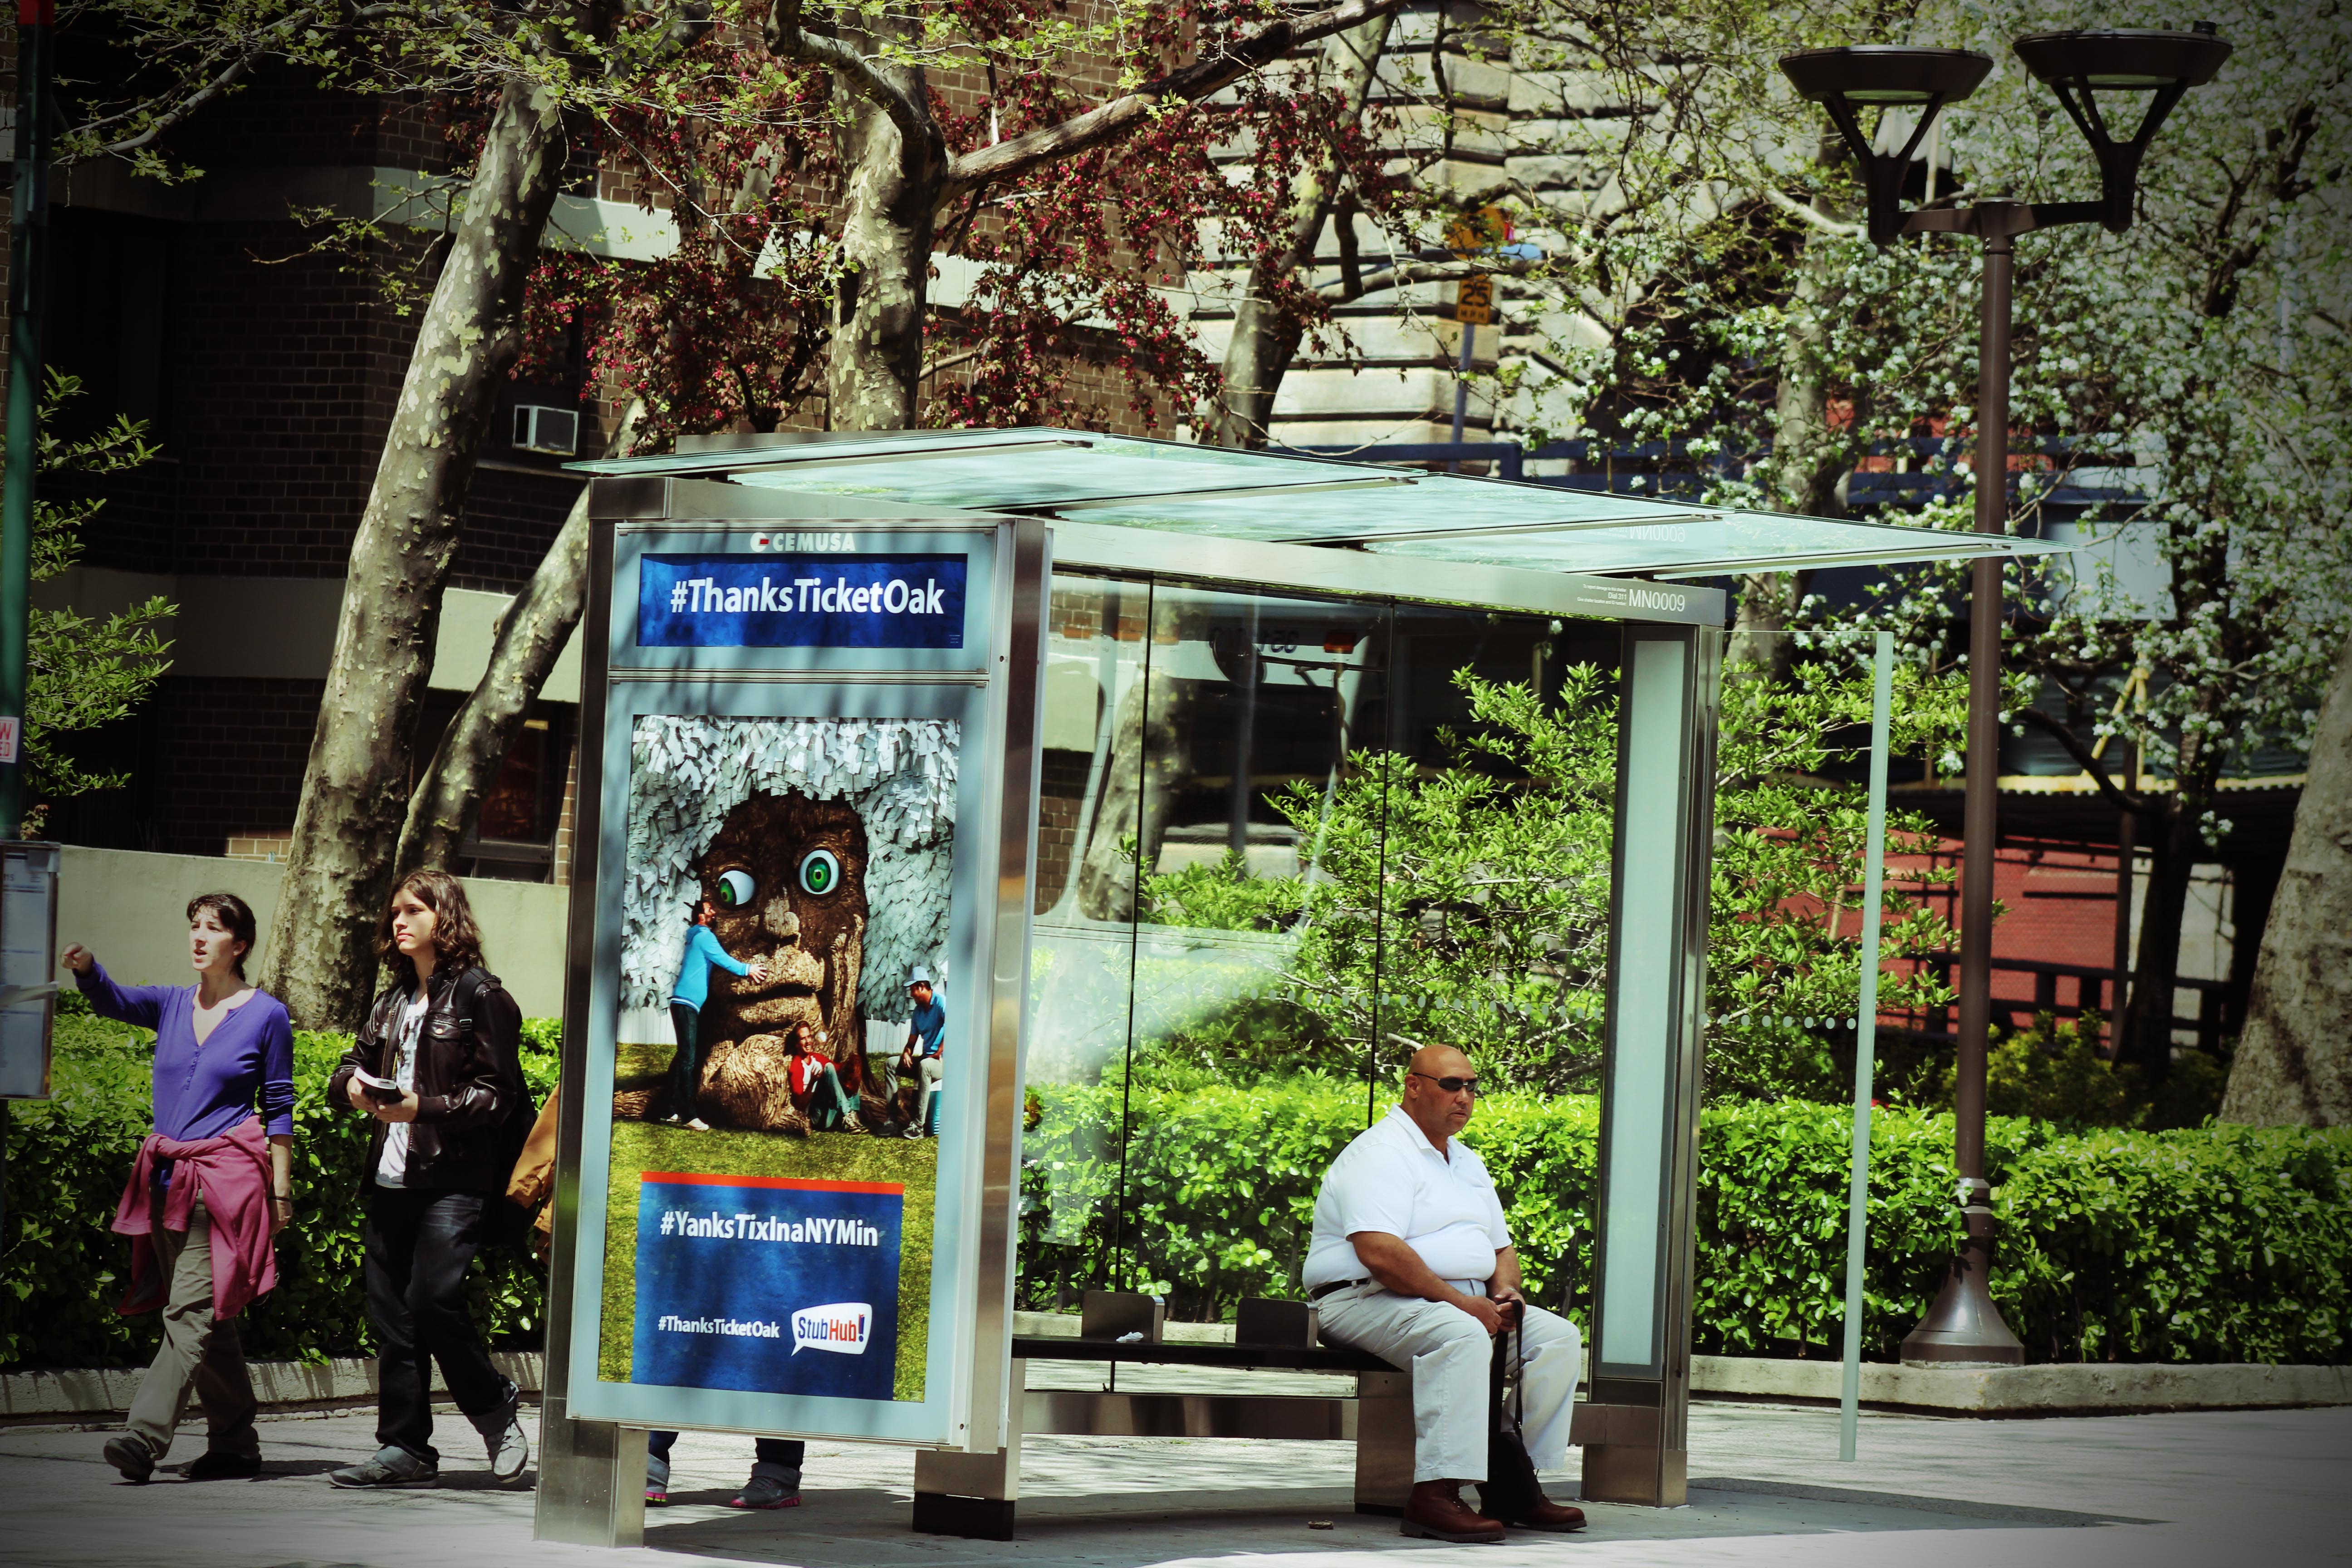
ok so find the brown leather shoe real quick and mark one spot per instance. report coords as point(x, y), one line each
point(1547, 1515)
point(1435, 1511)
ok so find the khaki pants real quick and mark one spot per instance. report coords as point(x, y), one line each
point(198, 1354)
point(1450, 1356)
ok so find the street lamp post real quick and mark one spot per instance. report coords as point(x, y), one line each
point(1964, 1325)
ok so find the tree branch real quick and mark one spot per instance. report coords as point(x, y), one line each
point(1188, 84)
point(2074, 747)
point(236, 71)
point(1807, 213)
point(1346, 290)
point(788, 37)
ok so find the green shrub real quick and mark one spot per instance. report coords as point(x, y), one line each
point(2054, 1072)
point(2213, 1244)
point(63, 1270)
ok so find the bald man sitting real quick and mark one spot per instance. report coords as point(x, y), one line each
point(1411, 1261)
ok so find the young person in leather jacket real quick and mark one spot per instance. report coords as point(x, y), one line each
point(441, 1039)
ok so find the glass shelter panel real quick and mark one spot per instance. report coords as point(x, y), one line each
point(1082, 953)
point(1251, 1003)
point(1284, 841)
point(1502, 739)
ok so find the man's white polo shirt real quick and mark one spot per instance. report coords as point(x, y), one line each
point(1390, 1178)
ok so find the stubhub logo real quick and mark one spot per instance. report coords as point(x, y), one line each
point(842, 1327)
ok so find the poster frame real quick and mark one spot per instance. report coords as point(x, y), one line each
point(980, 685)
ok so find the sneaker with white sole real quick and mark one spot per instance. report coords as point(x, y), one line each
point(391, 1466)
point(503, 1436)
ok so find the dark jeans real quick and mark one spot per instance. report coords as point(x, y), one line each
point(419, 1245)
point(686, 1067)
point(778, 1459)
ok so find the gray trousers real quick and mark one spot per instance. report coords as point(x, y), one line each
point(199, 1355)
point(1449, 1357)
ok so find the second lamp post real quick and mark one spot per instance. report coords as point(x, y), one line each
point(1964, 1325)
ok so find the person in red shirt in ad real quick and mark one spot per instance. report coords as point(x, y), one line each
point(817, 1093)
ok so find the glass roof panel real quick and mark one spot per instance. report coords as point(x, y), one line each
point(1704, 546)
point(1283, 497)
point(1213, 490)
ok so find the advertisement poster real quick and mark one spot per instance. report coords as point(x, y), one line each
point(780, 1065)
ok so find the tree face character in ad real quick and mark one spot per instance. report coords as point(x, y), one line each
point(785, 876)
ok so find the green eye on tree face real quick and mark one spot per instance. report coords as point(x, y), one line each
point(735, 889)
point(820, 871)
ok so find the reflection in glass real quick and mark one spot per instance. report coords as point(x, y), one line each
point(1282, 842)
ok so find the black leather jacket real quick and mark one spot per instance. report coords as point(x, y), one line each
point(470, 1083)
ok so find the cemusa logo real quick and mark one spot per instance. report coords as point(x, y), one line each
point(842, 1327)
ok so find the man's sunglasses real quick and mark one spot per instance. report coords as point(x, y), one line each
point(1450, 1085)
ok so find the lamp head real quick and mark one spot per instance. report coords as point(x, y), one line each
point(2078, 65)
point(2128, 60)
point(1846, 81)
point(1879, 75)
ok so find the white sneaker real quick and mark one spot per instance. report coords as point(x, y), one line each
point(697, 1125)
point(510, 1453)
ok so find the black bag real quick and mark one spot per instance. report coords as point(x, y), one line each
point(504, 1222)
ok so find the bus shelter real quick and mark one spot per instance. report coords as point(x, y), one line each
point(1073, 807)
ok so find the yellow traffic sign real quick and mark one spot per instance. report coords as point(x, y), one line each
point(1474, 299)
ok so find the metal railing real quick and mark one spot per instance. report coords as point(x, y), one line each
point(2094, 989)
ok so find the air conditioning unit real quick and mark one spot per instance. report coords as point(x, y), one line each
point(537, 429)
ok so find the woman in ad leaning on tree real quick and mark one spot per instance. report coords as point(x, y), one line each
point(209, 1188)
point(435, 1066)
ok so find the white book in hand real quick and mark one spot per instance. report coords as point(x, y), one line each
point(376, 1088)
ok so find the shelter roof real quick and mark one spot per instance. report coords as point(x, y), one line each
point(1293, 498)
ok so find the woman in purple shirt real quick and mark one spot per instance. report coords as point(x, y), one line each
point(224, 1081)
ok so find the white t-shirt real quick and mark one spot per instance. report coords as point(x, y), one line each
point(1389, 1178)
point(392, 1166)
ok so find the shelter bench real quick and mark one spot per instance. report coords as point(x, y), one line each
point(976, 1495)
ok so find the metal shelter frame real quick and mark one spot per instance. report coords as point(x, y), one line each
point(1061, 500)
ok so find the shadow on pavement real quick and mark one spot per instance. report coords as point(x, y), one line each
point(868, 1529)
point(1950, 1508)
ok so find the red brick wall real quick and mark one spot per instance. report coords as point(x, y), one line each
point(1061, 787)
point(236, 749)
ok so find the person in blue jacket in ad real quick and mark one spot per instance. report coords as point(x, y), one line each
point(687, 995)
point(925, 1033)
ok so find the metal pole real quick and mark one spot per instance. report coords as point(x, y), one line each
point(1981, 810)
point(1964, 1325)
point(2125, 823)
point(1461, 389)
point(28, 253)
point(27, 256)
point(1865, 1039)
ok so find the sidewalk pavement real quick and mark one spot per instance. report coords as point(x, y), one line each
point(2249, 1490)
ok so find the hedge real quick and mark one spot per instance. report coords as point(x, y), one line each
point(2217, 1244)
point(2220, 1243)
point(63, 1269)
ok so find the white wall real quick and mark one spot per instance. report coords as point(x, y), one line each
point(131, 910)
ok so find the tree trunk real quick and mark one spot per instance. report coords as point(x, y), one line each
point(1150, 756)
point(319, 960)
point(1266, 336)
point(2173, 842)
point(2295, 1057)
point(529, 638)
point(889, 212)
point(1152, 753)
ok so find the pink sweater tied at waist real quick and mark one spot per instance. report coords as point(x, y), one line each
point(232, 1174)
